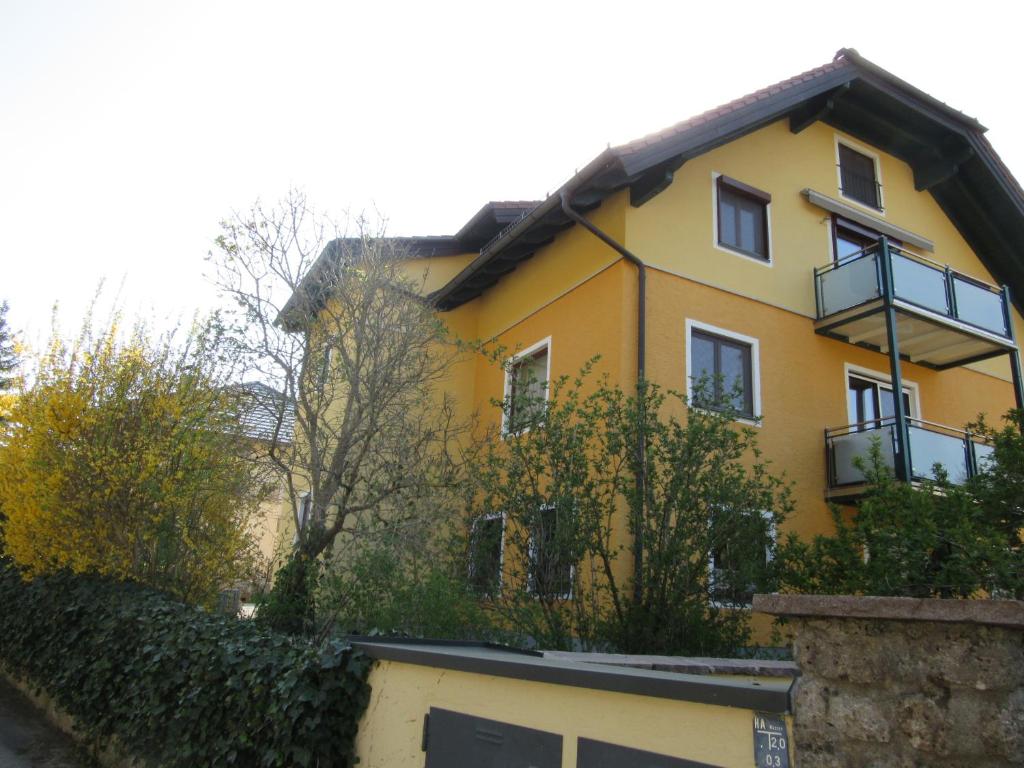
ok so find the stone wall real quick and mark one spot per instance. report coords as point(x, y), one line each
point(905, 682)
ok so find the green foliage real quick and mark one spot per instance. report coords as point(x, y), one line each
point(688, 485)
point(391, 589)
point(125, 455)
point(289, 606)
point(177, 686)
point(8, 354)
point(937, 539)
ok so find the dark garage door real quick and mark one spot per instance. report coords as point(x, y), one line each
point(597, 754)
point(455, 740)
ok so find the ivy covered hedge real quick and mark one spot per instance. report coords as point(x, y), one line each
point(177, 686)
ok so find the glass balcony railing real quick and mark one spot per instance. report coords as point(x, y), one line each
point(857, 279)
point(960, 454)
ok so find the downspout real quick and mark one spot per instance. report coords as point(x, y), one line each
point(641, 344)
point(641, 271)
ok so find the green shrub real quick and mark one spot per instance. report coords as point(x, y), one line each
point(177, 686)
point(382, 589)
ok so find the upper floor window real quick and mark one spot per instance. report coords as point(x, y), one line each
point(723, 372)
point(858, 177)
point(742, 214)
point(526, 387)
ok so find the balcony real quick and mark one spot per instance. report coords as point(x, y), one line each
point(960, 453)
point(943, 318)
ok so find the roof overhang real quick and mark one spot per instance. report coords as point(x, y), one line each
point(946, 149)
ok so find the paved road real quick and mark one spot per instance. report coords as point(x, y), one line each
point(27, 740)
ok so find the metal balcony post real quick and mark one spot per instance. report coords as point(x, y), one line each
point(950, 294)
point(972, 463)
point(902, 430)
point(1018, 382)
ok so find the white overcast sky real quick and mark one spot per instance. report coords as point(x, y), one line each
point(129, 129)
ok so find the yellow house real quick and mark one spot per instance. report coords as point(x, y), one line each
point(825, 242)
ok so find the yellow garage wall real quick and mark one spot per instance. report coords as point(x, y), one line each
point(675, 230)
point(390, 732)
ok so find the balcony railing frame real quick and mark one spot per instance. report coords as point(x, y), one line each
point(966, 438)
point(883, 252)
point(950, 276)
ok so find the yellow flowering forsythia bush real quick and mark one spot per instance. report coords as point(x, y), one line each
point(125, 458)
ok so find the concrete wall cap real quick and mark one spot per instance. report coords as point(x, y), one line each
point(996, 613)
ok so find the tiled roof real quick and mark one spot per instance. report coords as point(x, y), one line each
point(850, 92)
point(637, 145)
point(261, 407)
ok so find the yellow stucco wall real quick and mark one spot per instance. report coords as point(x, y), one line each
point(675, 230)
point(391, 730)
point(430, 273)
point(580, 294)
point(802, 381)
point(272, 518)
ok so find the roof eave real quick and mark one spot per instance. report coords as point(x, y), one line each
point(600, 164)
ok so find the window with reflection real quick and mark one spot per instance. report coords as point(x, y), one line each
point(743, 218)
point(721, 373)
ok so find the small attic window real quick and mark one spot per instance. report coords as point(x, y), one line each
point(858, 177)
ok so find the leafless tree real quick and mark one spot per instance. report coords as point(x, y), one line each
point(335, 324)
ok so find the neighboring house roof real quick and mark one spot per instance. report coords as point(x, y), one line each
point(945, 148)
point(263, 406)
point(487, 223)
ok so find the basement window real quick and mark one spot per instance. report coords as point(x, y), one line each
point(486, 549)
point(551, 569)
point(741, 549)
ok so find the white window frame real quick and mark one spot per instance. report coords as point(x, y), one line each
point(714, 228)
point(755, 364)
point(301, 512)
point(532, 558)
point(509, 365)
point(880, 377)
point(501, 552)
point(773, 536)
point(867, 152)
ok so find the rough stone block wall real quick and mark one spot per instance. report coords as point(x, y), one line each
point(906, 691)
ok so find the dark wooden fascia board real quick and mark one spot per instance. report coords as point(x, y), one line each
point(997, 253)
point(815, 109)
point(911, 91)
point(654, 181)
point(936, 167)
point(984, 151)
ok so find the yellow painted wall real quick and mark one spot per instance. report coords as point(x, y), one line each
point(430, 273)
point(675, 230)
point(272, 520)
point(568, 292)
point(803, 381)
point(578, 292)
point(391, 730)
